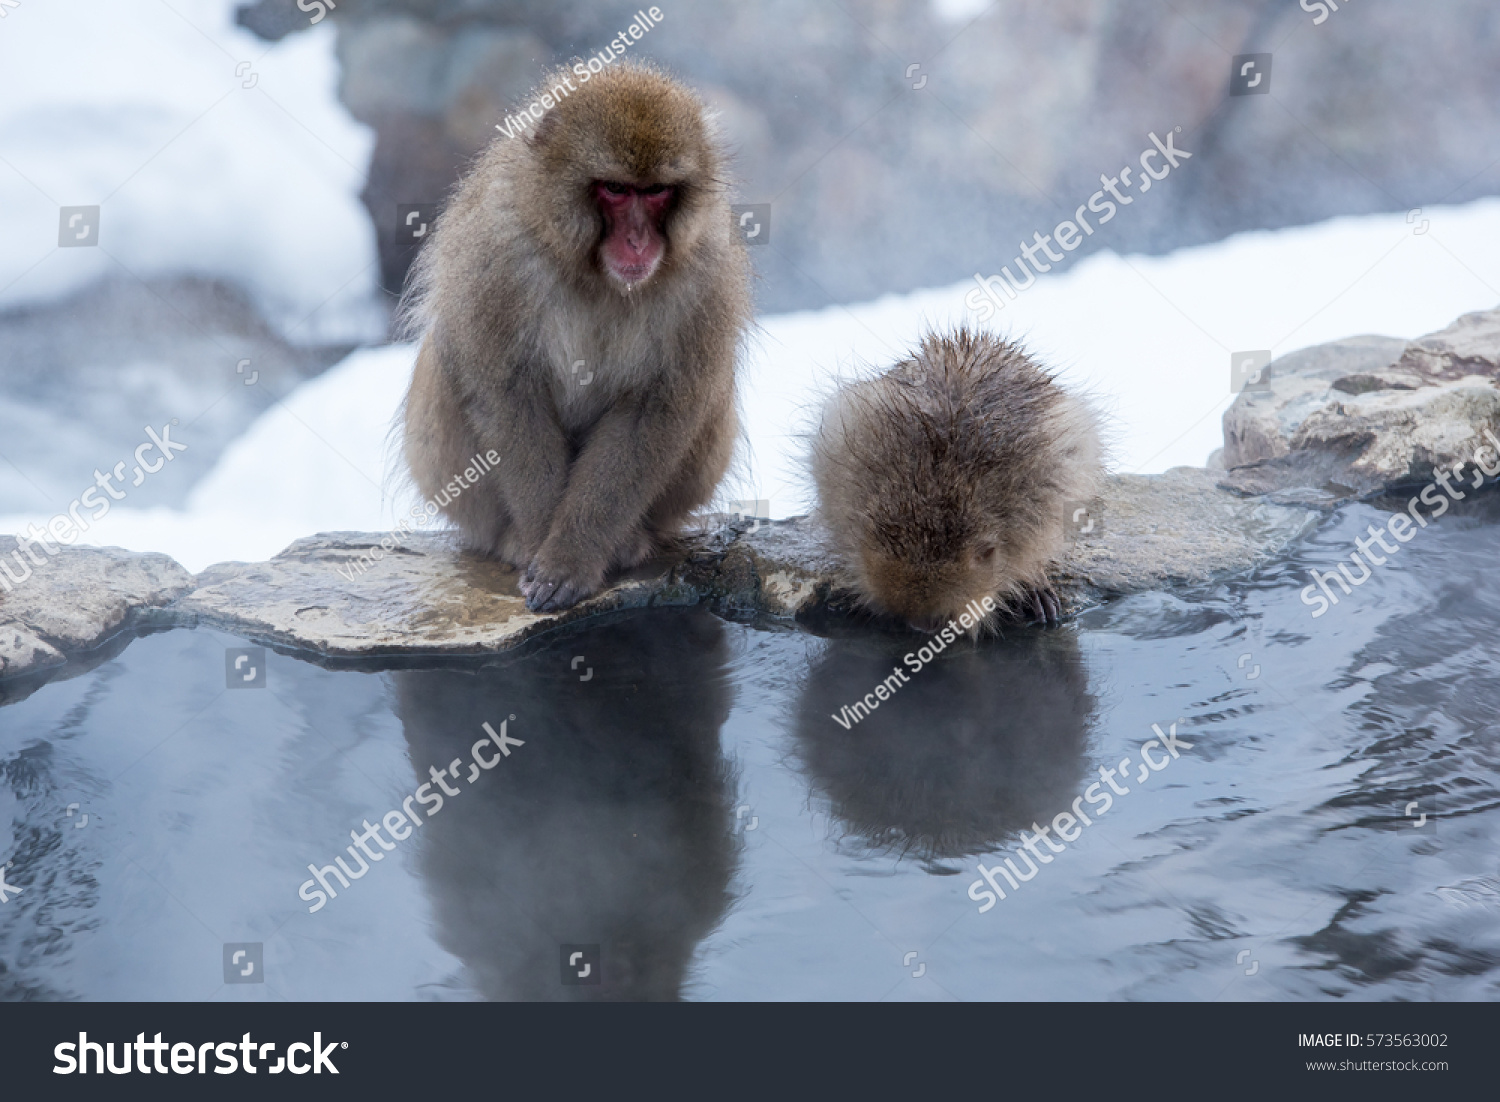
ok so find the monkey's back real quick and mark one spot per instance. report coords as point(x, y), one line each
point(967, 434)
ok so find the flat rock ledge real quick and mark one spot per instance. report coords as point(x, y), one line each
point(340, 596)
point(71, 600)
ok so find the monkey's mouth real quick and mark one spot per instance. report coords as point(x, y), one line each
point(633, 275)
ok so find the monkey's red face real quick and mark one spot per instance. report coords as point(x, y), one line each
point(634, 229)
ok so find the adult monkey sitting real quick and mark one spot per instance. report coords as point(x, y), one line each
point(581, 306)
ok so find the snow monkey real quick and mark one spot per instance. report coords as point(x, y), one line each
point(581, 307)
point(943, 482)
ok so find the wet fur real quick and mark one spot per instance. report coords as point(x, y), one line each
point(968, 444)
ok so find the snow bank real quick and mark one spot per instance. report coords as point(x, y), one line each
point(207, 150)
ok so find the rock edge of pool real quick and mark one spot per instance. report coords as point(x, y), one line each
point(1311, 431)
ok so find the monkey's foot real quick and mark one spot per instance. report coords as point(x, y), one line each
point(1041, 606)
point(528, 585)
point(549, 591)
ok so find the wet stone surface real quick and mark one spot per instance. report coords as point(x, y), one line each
point(341, 595)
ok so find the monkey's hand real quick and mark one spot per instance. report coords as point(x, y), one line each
point(1041, 606)
point(550, 587)
point(636, 550)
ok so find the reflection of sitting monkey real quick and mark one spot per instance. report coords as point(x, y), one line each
point(612, 826)
point(976, 744)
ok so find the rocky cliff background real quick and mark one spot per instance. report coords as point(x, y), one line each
point(879, 186)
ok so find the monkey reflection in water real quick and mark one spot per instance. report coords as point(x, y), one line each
point(612, 826)
point(979, 743)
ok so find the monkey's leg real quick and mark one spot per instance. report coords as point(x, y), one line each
point(439, 444)
point(508, 511)
point(530, 476)
point(697, 476)
point(631, 458)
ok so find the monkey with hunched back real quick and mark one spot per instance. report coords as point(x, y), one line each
point(944, 481)
point(581, 306)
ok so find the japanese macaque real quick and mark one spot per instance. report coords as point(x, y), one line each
point(944, 482)
point(581, 307)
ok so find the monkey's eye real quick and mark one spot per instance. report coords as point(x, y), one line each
point(654, 189)
point(615, 189)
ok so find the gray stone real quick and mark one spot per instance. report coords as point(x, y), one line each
point(1260, 424)
point(784, 568)
point(341, 596)
point(392, 65)
point(1470, 346)
point(75, 600)
point(425, 597)
point(1355, 417)
point(1171, 529)
point(434, 93)
point(1007, 140)
point(21, 652)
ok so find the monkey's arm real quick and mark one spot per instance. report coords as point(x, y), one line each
point(635, 453)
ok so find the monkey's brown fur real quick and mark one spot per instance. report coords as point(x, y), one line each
point(599, 462)
point(945, 479)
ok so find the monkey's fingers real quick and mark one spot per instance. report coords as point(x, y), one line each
point(1044, 607)
point(550, 596)
point(540, 593)
point(526, 583)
